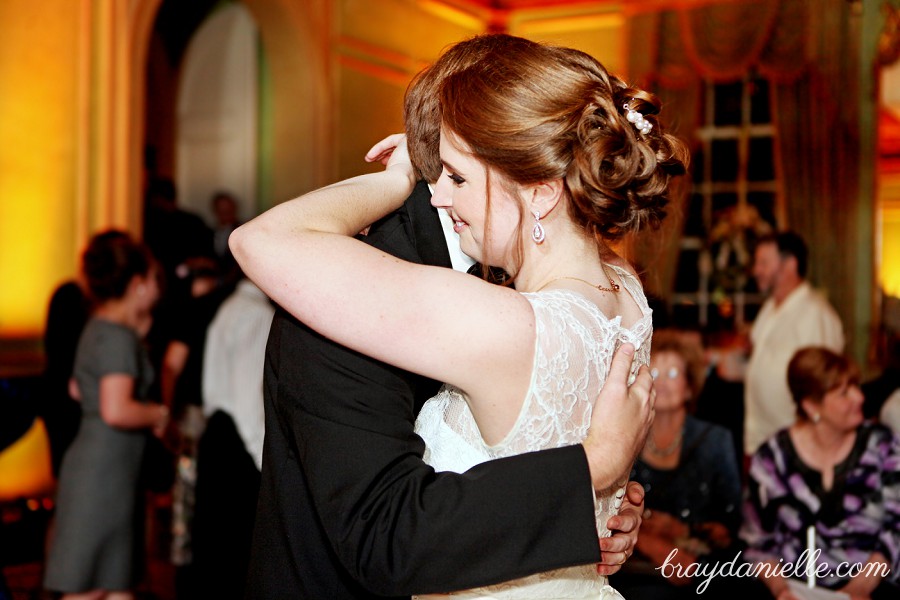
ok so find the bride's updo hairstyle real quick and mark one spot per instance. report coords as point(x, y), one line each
point(533, 113)
point(421, 104)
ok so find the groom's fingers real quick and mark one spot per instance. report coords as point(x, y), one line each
point(642, 387)
point(634, 493)
point(611, 563)
point(615, 387)
point(614, 544)
point(620, 369)
point(626, 522)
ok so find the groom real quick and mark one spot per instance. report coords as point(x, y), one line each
point(347, 508)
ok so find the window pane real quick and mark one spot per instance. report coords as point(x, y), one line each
point(693, 217)
point(724, 160)
point(760, 166)
point(688, 273)
point(728, 103)
point(759, 101)
point(764, 202)
point(686, 316)
point(697, 165)
point(721, 202)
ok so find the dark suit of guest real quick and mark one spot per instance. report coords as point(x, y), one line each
point(347, 508)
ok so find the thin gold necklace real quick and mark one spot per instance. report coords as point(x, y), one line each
point(614, 287)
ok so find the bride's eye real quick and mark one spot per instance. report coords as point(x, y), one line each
point(456, 179)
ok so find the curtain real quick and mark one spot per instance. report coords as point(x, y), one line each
point(810, 53)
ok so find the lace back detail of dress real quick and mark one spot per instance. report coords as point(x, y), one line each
point(574, 346)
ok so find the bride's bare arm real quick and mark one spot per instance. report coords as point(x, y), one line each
point(434, 321)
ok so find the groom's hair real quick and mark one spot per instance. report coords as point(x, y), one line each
point(421, 105)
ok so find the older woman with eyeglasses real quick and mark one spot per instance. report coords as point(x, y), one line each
point(690, 474)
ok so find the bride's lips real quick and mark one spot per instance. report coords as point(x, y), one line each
point(458, 224)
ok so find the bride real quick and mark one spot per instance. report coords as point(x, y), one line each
point(545, 159)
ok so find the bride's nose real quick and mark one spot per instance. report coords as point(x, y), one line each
point(440, 195)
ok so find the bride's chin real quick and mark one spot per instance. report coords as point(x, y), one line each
point(471, 249)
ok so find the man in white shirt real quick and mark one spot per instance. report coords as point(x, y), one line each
point(233, 363)
point(793, 317)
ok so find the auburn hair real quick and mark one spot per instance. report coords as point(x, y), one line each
point(815, 371)
point(532, 112)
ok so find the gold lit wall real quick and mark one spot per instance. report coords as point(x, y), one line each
point(380, 45)
point(38, 158)
point(72, 74)
point(890, 248)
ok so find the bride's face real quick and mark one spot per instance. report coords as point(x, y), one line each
point(462, 190)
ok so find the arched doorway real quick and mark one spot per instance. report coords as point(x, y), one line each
point(216, 136)
point(298, 107)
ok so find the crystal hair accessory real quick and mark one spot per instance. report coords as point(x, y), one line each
point(637, 119)
point(537, 232)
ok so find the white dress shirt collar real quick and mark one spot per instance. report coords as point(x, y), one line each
point(459, 260)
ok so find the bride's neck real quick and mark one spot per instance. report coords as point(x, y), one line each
point(564, 252)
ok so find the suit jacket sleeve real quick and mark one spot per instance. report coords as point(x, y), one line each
point(395, 525)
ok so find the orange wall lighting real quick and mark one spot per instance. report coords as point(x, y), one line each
point(38, 78)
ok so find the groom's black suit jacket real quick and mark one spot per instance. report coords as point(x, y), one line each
point(347, 508)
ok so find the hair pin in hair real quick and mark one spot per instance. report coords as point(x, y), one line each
point(637, 119)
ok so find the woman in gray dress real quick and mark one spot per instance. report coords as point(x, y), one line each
point(92, 552)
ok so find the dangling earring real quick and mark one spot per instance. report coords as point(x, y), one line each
point(816, 417)
point(537, 232)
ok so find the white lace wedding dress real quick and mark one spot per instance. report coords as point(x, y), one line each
point(574, 346)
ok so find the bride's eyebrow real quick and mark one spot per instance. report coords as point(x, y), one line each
point(450, 167)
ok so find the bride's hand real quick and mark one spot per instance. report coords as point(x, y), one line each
point(391, 152)
point(382, 150)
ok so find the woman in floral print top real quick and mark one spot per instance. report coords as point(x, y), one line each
point(835, 472)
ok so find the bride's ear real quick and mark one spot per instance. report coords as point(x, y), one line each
point(545, 196)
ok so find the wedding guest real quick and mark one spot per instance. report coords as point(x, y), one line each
point(225, 210)
point(95, 541)
point(173, 234)
point(67, 314)
point(229, 455)
point(792, 317)
point(182, 391)
point(831, 471)
point(690, 475)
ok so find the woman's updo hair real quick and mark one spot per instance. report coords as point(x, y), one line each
point(535, 113)
point(110, 261)
point(815, 371)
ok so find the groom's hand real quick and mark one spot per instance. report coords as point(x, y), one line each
point(620, 421)
point(617, 548)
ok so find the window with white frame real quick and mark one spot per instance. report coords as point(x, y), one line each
point(734, 200)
